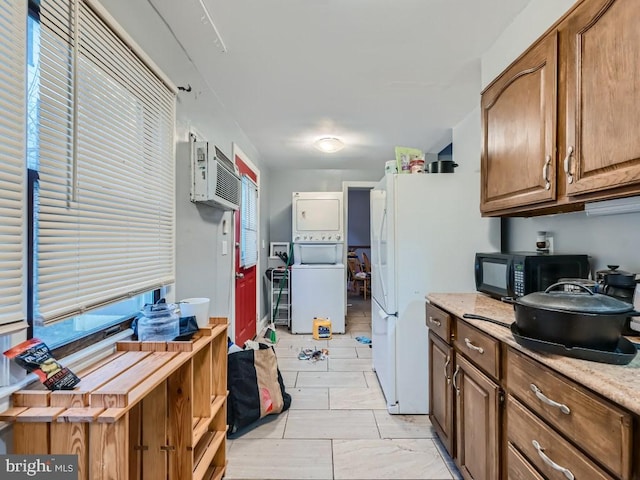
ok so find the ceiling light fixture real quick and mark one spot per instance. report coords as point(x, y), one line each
point(329, 144)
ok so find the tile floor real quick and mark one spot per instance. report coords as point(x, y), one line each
point(337, 426)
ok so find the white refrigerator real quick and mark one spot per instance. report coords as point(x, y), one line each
point(425, 231)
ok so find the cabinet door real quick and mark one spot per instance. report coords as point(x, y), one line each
point(477, 433)
point(440, 390)
point(519, 131)
point(603, 96)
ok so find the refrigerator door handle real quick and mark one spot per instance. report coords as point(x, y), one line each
point(379, 245)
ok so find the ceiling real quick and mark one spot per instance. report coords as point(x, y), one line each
point(374, 73)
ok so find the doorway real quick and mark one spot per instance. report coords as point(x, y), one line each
point(357, 213)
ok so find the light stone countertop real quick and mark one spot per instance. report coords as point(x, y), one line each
point(619, 383)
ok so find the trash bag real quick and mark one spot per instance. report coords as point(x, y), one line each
point(256, 388)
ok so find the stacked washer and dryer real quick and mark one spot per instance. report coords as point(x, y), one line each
point(318, 277)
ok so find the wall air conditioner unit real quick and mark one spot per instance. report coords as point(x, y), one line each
point(214, 178)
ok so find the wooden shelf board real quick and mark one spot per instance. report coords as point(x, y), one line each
point(204, 453)
point(31, 398)
point(215, 473)
point(11, 414)
point(83, 415)
point(39, 414)
point(200, 428)
point(112, 415)
point(133, 384)
point(118, 366)
point(217, 403)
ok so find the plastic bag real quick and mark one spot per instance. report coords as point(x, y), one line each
point(35, 357)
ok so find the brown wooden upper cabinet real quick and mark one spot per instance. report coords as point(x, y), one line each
point(519, 131)
point(560, 125)
point(603, 96)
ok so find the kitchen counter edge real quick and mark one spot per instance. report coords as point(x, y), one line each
point(617, 383)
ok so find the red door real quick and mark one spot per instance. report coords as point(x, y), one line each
point(246, 304)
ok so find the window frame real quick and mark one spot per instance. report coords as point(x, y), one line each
point(32, 177)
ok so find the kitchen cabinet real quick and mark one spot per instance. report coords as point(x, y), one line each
point(477, 401)
point(441, 390)
point(559, 125)
point(572, 411)
point(149, 410)
point(515, 417)
point(464, 407)
point(603, 97)
point(544, 449)
point(519, 131)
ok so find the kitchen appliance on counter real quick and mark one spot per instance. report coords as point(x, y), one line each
point(318, 276)
point(576, 323)
point(519, 273)
point(412, 254)
point(620, 285)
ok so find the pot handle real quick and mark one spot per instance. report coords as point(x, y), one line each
point(575, 284)
point(510, 300)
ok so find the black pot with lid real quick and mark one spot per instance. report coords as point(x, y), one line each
point(616, 278)
point(442, 166)
point(579, 318)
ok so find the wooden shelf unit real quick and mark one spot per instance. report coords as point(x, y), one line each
point(149, 410)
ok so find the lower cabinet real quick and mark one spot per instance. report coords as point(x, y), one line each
point(545, 449)
point(518, 468)
point(562, 427)
point(440, 390)
point(503, 415)
point(464, 394)
point(477, 422)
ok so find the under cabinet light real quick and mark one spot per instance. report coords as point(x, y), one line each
point(613, 207)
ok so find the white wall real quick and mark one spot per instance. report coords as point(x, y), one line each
point(612, 239)
point(282, 183)
point(201, 268)
point(467, 140)
point(532, 22)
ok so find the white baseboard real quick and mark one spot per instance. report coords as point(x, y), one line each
point(262, 326)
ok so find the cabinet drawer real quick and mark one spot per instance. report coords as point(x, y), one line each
point(439, 322)
point(480, 348)
point(518, 468)
point(588, 419)
point(549, 452)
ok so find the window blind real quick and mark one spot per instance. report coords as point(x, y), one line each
point(106, 187)
point(12, 159)
point(249, 223)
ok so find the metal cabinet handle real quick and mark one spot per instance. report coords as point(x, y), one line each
point(567, 473)
point(545, 173)
point(567, 164)
point(446, 369)
point(471, 346)
point(434, 321)
point(455, 375)
point(544, 399)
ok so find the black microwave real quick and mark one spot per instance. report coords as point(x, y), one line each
point(520, 273)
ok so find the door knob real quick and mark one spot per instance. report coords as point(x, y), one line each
point(239, 276)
